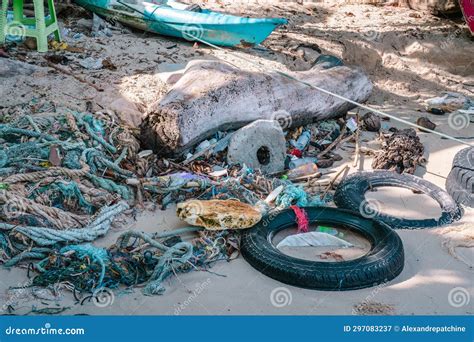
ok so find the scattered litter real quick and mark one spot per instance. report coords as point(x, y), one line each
point(301, 219)
point(305, 170)
point(136, 258)
point(295, 163)
point(302, 141)
point(91, 63)
point(448, 102)
point(330, 231)
point(100, 28)
point(351, 124)
point(371, 122)
point(425, 122)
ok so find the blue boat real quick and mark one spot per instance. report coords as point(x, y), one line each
point(191, 22)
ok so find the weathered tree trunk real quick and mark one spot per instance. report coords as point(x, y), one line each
point(213, 96)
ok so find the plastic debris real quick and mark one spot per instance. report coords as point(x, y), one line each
point(91, 63)
point(448, 102)
point(302, 161)
point(303, 170)
point(302, 141)
point(313, 239)
point(425, 122)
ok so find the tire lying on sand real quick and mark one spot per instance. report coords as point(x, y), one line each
point(350, 194)
point(460, 181)
point(382, 263)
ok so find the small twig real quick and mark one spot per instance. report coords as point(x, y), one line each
point(357, 148)
point(333, 180)
point(336, 142)
point(80, 79)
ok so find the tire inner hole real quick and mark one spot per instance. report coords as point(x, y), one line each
point(400, 202)
point(361, 245)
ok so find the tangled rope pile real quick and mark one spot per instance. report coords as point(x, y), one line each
point(64, 179)
point(136, 258)
point(61, 179)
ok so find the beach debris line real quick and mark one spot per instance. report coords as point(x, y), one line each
point(232, 98)
point(136, 258)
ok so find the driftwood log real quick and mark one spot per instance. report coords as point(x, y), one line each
point(212, 96)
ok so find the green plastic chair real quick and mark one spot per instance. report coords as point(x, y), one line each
point(38, 27)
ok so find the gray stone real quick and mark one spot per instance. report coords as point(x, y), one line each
point(259, 145)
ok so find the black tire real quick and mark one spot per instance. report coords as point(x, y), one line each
point(382, 263)
point(464, 159)
point(459, 188)
point(350, 194)
point(460, 181)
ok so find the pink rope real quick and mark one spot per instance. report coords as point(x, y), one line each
point(301, 219)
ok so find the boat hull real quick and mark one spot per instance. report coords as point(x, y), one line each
point(204, 26)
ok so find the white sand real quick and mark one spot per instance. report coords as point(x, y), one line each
point(408, 58)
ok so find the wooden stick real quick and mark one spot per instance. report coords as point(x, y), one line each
point(205, 150)
point(331, 183)
point(357, 135)
point(336, 142)
point(67, 72)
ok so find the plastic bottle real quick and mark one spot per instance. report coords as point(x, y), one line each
point(302, 161)
point(303, 170)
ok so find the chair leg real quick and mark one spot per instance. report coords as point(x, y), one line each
point(52, 13)
point(3, 21)
point(41, 38)
point(18, 11)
